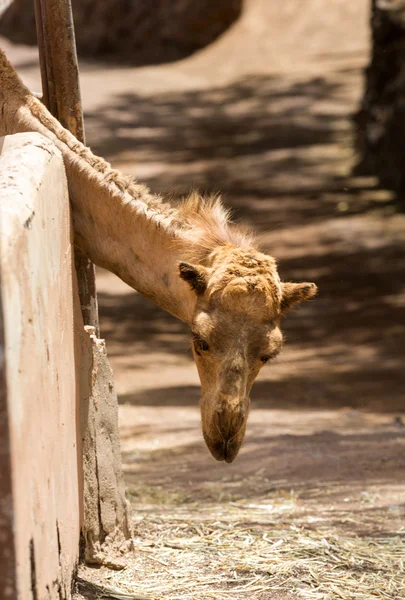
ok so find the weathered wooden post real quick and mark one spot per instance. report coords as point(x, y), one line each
point(105, 510)
point(61, 95)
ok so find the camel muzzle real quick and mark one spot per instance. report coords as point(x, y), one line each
point(225, 435)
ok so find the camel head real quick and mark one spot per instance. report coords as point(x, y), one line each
point(235, 330)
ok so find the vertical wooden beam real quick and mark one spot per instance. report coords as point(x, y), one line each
point(106, 519)
point(61, 95)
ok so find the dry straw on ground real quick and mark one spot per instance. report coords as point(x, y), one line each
point(264, 550)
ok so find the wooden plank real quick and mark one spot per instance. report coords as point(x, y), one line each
point(61, 95)
point(105, 509)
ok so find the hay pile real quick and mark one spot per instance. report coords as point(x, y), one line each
point(263, 550)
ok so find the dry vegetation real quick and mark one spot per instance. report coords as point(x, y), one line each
point(269, 546)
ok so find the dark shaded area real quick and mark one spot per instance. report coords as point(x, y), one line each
point(249, 139)
point(352, 389)
point(33, 575)
point(138, 33)
point(207, 131)
point(132, 318)
point(301, 460)
point(8, 566)
point(381, 120)
point(222, 122)
point(93, 591)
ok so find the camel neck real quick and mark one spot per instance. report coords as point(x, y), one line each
point(129, 239)
point(119, 223)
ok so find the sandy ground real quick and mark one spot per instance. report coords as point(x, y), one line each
point(265, 116)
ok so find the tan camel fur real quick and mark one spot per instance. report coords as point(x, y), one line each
point(188, 258)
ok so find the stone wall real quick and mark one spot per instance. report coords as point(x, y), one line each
point(39, 310)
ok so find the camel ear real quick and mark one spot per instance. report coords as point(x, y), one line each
point(196, 276)
point(293, 293)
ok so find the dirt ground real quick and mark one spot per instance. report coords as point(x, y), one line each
point(265, 116)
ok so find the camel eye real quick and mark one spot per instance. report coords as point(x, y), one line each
point(203, 345)
point(265, 358)
point(200, 345)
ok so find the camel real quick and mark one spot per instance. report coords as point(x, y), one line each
point(187, 257)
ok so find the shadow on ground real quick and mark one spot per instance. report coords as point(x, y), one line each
point(288, 460)
point(243, 139)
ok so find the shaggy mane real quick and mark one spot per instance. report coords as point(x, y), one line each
point(206, 224)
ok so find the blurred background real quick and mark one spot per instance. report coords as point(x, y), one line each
point(295, 112)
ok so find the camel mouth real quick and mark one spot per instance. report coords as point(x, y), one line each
point(231, 451)
point(224, 450)
point(224, 433)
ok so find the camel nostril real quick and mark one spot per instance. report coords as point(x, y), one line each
point(219, 420)
point(241, 417)
point(229, 423)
